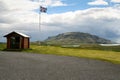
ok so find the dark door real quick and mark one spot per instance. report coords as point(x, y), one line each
point(15, 42)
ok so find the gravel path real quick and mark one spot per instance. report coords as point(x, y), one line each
point(27, 66)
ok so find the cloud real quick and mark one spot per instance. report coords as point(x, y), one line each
point(117, 6)
point(6, 20)
point(115, 1)
point(58, 3)
point(21, 5)
point(52, 3)
point(16, 16)
point(2, 7)
point(103, 22)
point(98, 2)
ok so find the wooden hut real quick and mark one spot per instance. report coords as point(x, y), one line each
point(17, 40)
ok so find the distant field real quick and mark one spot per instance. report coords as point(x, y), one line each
point(111, 53)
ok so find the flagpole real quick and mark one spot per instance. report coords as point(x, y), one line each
point(41, 9)
point(39, 24)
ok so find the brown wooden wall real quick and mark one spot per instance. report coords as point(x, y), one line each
point(24, 43)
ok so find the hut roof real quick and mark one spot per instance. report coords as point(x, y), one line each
point(21, 34)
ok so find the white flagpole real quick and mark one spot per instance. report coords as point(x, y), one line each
point(39, 25)
point(39, 22)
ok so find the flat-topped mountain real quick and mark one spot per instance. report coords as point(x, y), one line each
point(76, 38)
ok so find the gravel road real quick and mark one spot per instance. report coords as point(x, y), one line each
point(28, 66)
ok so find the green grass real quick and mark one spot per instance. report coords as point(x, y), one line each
point(2, 46)
point(111, 54)
point(100, 54)
point(103, 48)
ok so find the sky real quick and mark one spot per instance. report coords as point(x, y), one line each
point(97, 17)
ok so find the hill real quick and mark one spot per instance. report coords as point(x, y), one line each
point(76, 38)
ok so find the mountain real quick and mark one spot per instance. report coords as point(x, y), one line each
point(76, 38)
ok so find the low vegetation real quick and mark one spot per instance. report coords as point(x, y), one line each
point(111, 54)
point(2, 46)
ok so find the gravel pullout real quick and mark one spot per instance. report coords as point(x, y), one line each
point(28, 66)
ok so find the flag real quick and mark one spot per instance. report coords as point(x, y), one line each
point(43, 9)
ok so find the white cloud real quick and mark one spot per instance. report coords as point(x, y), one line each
point(100, 21)
point(115, 1)
point(53, 3)
point(20, 5)
point(58, 3)
point(117, 6)
point(98, 2)
point(103, 22)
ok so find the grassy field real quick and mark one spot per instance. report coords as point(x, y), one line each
point(2, 46)
point(111, 54)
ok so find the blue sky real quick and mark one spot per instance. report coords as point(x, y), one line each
point(98, 17)
point(73, 5)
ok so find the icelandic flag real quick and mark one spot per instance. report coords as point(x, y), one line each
point(43, 9)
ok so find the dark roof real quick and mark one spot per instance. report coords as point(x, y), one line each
point(21, 34)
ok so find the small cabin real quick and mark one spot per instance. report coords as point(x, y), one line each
point(17, 40)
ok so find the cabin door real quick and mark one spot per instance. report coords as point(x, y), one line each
point(15, 42)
